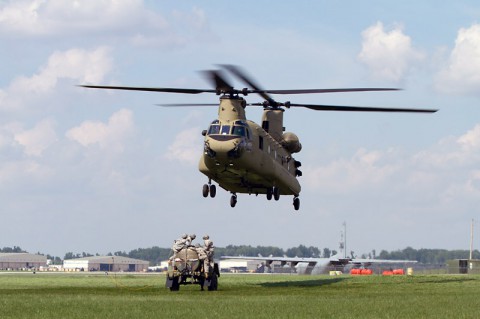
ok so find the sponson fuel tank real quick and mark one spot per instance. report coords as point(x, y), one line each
point(291, 142)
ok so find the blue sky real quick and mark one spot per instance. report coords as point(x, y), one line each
point(99, 171)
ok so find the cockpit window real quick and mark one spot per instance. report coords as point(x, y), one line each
point(236, 130)
point(239, 130)
point(225, 129)
point(214, 129)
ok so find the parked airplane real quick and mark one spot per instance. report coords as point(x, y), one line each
point(314, 266)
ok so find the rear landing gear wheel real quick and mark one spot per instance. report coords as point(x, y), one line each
point(205, 190)
point(296, 203)
point(233, 200)
point(269, 193)
point(276, 193)
point(213, 191)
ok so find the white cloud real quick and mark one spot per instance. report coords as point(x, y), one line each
point(75, 64)
point(470, 140)
point(110, 19)
point(185, 148)
point(441, 176)
point(7, 133)
point(13, 173)
point(462, 71)
point(54, 17)
point(388, 55)
point(365, 168)
point(38, 139)
point(453, 152)
point(78, 64)
point(110, 135)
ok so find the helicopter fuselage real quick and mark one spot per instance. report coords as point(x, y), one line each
point(243, 157)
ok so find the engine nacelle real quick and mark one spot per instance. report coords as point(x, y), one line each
point(291, 142)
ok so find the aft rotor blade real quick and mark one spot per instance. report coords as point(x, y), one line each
point(308, 91)
point(150, 89)
point(361, 108)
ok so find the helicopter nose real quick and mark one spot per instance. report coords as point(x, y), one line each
point(223, 149)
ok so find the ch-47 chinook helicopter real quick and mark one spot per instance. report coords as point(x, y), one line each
point(243, 156)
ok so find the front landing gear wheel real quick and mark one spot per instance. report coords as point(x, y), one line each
point(296, 203)
point(205, 190)
point(233, 200)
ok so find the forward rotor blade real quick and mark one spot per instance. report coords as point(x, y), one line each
point(235, 70)
point(361, 108)
point(150, 89)
point(308, 91)
point(186, 104)
point(217, 79)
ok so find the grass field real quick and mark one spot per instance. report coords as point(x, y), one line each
point(239, 296)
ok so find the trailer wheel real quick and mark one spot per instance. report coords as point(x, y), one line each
point(213, 283)
point(175, 285)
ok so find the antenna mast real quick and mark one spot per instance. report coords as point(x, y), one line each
point(471, 240)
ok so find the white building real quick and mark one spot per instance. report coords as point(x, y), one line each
point(15, 261)
point(239, 265)
point(105, 263)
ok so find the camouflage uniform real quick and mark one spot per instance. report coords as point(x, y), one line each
point(179, 244)
point(210, 251)
point(190, 239)
point(206, 241)
point(202, 255)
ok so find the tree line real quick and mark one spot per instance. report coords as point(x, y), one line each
point(428, 256)
point(15, 249)
point(157, 254)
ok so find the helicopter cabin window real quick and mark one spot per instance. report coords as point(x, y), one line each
point(225, 130)
point(214, 129)
point(239, 131)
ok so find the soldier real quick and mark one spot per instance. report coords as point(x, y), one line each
point(202, 255)
point(206, 240)
point(179, 244)
point(190, 239)
point(210, 251)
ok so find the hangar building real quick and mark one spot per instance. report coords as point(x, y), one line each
point(14, 261)
point(105, 263)
point(463, 266)
point(240, 265)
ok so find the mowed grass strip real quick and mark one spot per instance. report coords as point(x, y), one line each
point(239, 296)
